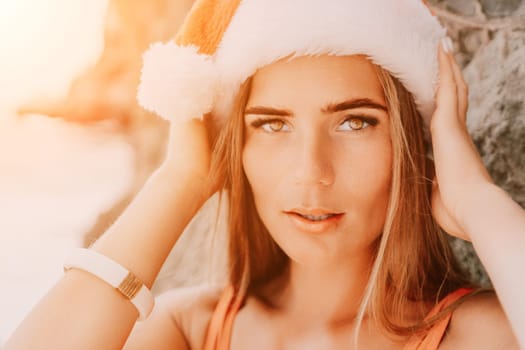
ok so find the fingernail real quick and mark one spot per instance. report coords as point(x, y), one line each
point(447, 44)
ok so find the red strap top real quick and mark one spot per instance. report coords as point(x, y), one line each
point(432, 339)
point(220, 329)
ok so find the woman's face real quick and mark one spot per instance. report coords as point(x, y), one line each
point(318, 156)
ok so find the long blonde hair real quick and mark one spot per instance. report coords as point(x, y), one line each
point(414, 263)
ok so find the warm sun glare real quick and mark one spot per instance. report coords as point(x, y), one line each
point(55, 177)
point(44, 44)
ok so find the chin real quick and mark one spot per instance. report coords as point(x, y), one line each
point(317, 251)
point(311, 254)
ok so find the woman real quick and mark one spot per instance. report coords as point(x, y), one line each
point(322, 156)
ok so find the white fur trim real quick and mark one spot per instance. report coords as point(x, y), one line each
point(177, 82)
point(401, 36)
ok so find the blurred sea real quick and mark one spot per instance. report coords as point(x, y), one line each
point(55, 177)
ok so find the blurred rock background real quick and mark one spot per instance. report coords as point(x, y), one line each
point(489, 39)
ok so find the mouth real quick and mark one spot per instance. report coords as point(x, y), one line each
point(314, 221)
point(312, 217)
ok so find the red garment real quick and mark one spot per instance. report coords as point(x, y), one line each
point(432, 339)
point(219, 332)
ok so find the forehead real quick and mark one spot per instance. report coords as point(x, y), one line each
point(319, 79)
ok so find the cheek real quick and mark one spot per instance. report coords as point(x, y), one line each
point(264, 171)
point(366, 176)
point(254, 168)
point(373, 170)
point(262, 164)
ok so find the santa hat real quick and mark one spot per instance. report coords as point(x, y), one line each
point(223, 42)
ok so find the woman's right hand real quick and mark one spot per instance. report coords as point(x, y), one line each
point(188, 154)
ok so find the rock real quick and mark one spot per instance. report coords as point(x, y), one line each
point(469, 261)
point(500, 8)
point(462, 7)
point(490, 8)
point(472, 40)
point(496, 117)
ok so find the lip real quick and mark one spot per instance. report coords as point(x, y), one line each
point(310, 226)
point(311, 211)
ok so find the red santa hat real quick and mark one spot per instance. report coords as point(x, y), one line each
point(224, 42)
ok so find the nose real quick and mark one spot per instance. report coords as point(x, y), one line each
point(313, 164)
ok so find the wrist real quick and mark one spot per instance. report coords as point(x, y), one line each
point(186, 184)
point(480, 206)
point(152, 223)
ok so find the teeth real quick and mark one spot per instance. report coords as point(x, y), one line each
point(317, 218)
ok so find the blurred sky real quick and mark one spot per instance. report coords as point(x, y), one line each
point(55, 177)
point(44, 44)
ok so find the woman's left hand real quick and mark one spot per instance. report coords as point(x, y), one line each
point(467, 204)
point(460, 173)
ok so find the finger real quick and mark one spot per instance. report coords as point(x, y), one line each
point(462, 88)
point(446, 95)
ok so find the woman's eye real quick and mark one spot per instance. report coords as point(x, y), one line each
point(274, 126)
point(356, 124)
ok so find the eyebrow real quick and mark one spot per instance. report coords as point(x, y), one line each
point(353, 104)
point(330, 108)
point(268, 111)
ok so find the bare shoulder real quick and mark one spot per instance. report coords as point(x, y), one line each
point(191, 309)
point(479, 323)
point(179, 320)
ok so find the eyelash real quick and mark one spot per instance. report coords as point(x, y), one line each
point(260, 122)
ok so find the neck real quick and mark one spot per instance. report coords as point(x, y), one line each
point(328, 294)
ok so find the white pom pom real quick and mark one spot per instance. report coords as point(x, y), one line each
point(177, 82)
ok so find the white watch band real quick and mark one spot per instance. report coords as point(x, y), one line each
point(115, 275)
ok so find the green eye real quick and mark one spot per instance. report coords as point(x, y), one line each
point(357, 123)
point(273, 125)
point(270, 125)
